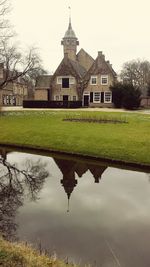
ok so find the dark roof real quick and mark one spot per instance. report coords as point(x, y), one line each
point(70, 33)
point(43, 81)
point(69, 67)
point(80, 70)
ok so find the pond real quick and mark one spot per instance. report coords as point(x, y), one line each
point(84, 211)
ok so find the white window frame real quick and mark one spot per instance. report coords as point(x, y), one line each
point(110, 101)
point(71, 79)
point(93, 77)
point(74, 96)
point(96, 101)
point(57, 96)
point(104, 77)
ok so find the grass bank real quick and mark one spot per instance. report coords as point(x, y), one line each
point(129, 142)
point(21, 255)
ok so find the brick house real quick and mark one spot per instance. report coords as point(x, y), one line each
point(14, 92)
point(78, 77)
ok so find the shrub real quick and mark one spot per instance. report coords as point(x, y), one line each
point(126, 96)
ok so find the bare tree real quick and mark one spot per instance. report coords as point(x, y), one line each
point(14, 184)
point(137, 72)
point(6, 29)
point(15, 63)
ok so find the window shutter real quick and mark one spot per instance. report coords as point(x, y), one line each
point(102, 97)
point(48, 94)
point(91, 97)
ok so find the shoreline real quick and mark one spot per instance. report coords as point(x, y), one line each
point(96, 159)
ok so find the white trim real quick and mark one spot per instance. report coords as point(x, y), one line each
point(104, 77)
point(74, 96)
point(110, 101)
point(59, 80)
point(93, 77)
point(71, 79)
point(95, 101)
point(57, 96)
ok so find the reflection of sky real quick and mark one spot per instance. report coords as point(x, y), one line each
point(113, 215)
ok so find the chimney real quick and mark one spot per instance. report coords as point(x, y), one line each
point(100, 53)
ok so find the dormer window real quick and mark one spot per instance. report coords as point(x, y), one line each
point(93, 80)
point(104, 79)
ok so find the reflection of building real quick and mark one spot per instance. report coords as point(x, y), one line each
point(70, 167)
point(67, 169)
point(96, 171)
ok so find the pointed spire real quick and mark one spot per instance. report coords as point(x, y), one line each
point(70, 27)
point(70, 33)
point(68, 202)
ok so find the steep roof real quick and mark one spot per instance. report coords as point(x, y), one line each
point(69, 67)
point(102, 66)
point(43, 81)
point(70, 33)
point(84, 59)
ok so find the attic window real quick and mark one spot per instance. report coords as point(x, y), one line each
point(104, 79)
point(65, 82)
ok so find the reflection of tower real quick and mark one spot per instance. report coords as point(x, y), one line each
point(97, 171)
point(67, 168)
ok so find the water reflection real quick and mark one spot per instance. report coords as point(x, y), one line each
point(70, 168)
point(109, 219)
point(14, 183)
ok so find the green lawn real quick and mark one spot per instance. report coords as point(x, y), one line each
point(123, 141)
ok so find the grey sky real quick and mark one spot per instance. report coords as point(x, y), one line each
point(119, 28)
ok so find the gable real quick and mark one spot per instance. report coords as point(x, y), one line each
point(84, 59)
point(69, 67)
point(101, 66)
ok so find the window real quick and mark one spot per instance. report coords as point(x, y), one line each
point(104, 79)
point(65, 81)
point(74, 98)
point(97, 97)
point(93, 80)
point(107, 97)
point(57, 97)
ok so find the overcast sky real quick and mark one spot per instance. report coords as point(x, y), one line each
point(119, 28)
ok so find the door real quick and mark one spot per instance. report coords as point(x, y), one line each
point(86, 101)
point(65, 101)
point(65, 97)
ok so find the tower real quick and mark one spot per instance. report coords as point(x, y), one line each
point(70, 42)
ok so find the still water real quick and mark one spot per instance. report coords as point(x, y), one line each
point(87, 213)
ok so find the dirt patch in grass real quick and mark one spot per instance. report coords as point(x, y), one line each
point(95, 120)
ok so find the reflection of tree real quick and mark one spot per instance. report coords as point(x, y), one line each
point(14, 184)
